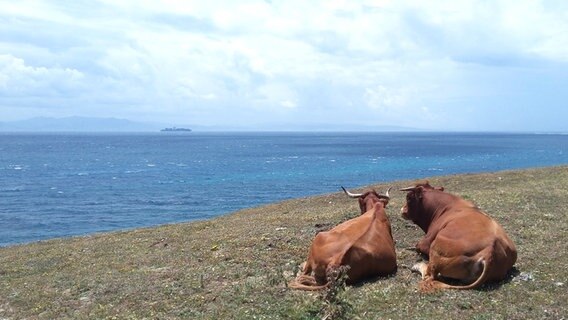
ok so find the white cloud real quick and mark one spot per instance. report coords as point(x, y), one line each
point(19, 79)
point(383, 99)
point(400, 61)
point(276, 94)
point(288, 104)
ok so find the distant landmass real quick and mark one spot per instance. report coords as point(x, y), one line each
point(94, 124)
point(79, 124)
point(175, 129)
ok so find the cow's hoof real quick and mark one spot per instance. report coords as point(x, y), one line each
point(301, 268)
point(420, 268)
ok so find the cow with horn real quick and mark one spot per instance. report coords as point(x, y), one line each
point(364, 244)
point(462, 242)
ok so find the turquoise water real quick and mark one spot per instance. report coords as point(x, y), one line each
point(58, 185)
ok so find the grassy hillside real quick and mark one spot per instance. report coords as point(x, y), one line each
point(237, 266)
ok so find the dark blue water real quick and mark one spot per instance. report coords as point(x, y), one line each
point(57, 185)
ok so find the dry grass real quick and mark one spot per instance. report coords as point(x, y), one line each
point(237, 266)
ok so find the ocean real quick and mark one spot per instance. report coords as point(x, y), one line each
point(60, 185)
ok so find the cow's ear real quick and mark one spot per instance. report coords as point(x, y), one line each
point(418, 192)
point(439, 188)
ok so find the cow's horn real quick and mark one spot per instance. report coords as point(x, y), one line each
point(352, 195)
point(407, 189)
point(387, 194)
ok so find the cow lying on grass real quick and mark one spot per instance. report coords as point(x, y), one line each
point(462, 242)
point(364, 244)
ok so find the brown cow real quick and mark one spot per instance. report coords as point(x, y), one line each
point(461, 241)
point(363, 243)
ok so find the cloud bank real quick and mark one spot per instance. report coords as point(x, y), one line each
point(462, 65)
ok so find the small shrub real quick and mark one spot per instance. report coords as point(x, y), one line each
point(335, 304)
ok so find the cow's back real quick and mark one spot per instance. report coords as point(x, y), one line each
point(467, 225)
point(373, 253)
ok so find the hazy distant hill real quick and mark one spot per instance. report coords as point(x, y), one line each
point(78, 124)
point(90, 124)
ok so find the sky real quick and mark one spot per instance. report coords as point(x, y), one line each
point(289, 65)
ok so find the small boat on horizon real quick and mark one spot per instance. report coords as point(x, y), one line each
point(175, 129)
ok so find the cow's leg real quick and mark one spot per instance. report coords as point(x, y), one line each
point(423, 246)
point(428, 282)
point(449, 260)
point(460, 268)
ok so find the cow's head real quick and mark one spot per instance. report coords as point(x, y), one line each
point(415, 208)
point(369, 198)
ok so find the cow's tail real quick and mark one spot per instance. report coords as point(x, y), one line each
point(306, 282)
point(480, 280)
